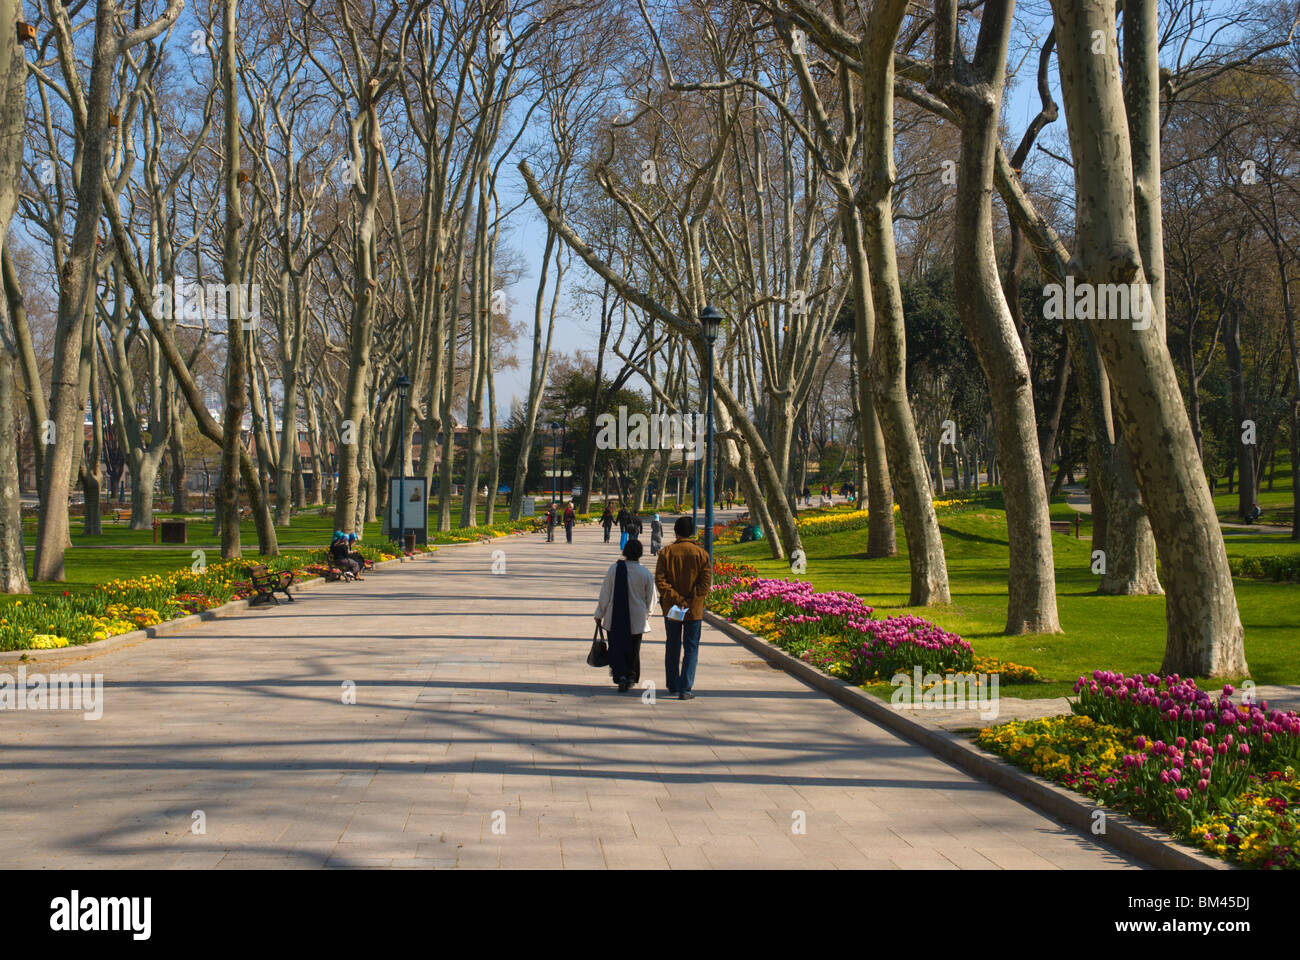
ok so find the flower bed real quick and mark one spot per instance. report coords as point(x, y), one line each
point(120, 606)
point(835, 631)
point(843, 518)
point(1219, 773)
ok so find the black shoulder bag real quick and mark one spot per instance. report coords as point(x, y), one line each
point(598, 656)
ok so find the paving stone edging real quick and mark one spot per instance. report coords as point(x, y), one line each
point(1124, 833)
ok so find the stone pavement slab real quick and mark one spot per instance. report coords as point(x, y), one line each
point(479, 738)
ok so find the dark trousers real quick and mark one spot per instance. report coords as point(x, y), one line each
point(625, 659)
point(607, 529)
point(681, 653)
point(568, 532)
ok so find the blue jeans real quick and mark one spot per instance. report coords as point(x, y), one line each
point(622, 540)
point(681, 653)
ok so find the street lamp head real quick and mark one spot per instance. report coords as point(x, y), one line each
point(711, 322)
point(403, 386)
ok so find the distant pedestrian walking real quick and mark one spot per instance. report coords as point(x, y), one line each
point(682, 576)
point(550, 524)
point(607, 521)
point(569, 519)
point(626, 598)
point(624, 519)
point(656, 535)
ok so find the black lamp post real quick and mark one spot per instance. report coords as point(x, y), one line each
point(711, 324)
point(403, 389)
point(555, 460)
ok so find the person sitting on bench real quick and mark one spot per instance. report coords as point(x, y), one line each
point(356, 555)
point(341, 556)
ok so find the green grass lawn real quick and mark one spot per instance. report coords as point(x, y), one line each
point(87, 568)
point(114, 554)
point(1114, 633)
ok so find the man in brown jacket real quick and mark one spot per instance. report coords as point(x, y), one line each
point(683, 576)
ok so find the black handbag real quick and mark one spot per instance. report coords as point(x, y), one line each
point(598, 656)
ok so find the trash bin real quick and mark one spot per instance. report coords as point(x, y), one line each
point(410, 543)
point(172, 531)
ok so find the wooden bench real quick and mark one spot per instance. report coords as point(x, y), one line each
point(1065, 526)
point(122, 516)
point(268, 584)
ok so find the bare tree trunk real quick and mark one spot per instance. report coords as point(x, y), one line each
point(37, 412)
point(494, 468)
point(75, 302)
point(176, 453)
point(1248, 493)
point(537, 370)
point(92, 467)
point(13, 79)
point(888, 373)
point(1205, 635)
point(13, 556)
point(287, 473)
point(974, 90)
point(882, 539)
point(236, 362)
point(299, 483)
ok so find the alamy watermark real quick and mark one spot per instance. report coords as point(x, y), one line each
point(1099, 301)
point(187, 300)
point(76, 913)
point(947, 691)
point(57, 691)
point(655, 431)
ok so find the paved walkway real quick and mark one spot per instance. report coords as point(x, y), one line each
point(479, 738)
point(1076, 496)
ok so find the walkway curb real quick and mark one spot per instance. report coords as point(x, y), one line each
point(1122, 832)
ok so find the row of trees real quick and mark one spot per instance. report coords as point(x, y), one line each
point(898, 266)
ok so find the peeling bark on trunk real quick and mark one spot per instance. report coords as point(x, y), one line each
point(1205, 635)
point(882, 538)
point(13, 77)
point(232, 274)
point(176, 453)
point(75, 303)
point(888, 373)
point(974, 90)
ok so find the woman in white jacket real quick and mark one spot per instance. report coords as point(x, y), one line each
point(626, 598)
